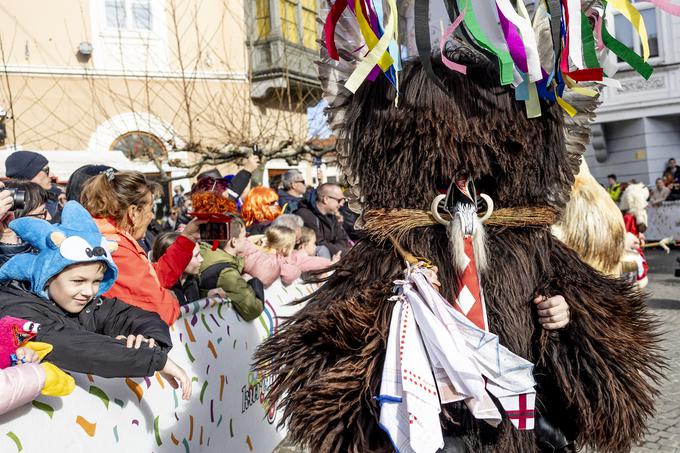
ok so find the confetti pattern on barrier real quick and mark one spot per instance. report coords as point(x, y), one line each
point(147, 414)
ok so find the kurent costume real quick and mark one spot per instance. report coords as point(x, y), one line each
point(455, 169)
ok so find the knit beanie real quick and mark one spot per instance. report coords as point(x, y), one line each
point(24, 165)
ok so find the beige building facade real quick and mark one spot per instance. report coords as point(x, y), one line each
point(141, 76)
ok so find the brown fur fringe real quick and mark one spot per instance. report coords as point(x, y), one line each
point(597, 379)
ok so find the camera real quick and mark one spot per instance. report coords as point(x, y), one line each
point(18, 198)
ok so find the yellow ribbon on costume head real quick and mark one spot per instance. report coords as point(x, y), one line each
point(635, 18)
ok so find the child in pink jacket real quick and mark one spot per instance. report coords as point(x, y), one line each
point(277, 258)
point(22, 383)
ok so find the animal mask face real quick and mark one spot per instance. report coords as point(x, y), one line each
point(14, 333)
point(401, 155)
point(76, 240)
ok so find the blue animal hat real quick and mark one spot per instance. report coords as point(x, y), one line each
point(76, 240)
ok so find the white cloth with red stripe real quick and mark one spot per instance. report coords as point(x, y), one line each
point(435, 355)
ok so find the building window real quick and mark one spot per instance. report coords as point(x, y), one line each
point(139, 145)
point(628, 36)
point(262, 20)
point(133, 15)
point(288, 13)
point(309, 24)
point(298, 21)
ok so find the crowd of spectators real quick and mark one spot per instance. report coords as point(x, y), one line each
point(123, 302)
point(665, 188)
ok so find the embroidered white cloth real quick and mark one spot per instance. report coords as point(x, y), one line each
point(434, 353)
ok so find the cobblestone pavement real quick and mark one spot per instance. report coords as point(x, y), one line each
point(664, 429)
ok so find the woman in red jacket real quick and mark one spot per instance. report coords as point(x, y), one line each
point(121, 204)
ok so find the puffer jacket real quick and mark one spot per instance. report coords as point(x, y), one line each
point(85, 342)
point(140, 283)
point(20, 385)
point(241, 294)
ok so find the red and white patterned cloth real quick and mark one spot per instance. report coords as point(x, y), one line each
point(435, 355)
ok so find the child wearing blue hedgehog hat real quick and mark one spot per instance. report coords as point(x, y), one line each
point(67, 275)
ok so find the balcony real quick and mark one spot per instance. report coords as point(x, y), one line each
point(282, 49)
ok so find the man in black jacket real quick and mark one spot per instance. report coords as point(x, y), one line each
point(320, 212)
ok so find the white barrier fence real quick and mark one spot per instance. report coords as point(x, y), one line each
point(663, 221)
point(227, 411)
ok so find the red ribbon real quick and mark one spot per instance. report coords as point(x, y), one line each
point(586, 75)
point(329, 27)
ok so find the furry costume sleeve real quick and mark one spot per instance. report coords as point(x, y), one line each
point(616, 371)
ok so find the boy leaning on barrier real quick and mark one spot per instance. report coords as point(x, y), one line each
point(89, 334)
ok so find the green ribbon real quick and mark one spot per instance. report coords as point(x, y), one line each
point(588, 40)
point(505, 63)
point(626, 54)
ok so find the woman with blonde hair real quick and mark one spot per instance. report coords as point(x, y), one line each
point(260, 207)
point(121, 204)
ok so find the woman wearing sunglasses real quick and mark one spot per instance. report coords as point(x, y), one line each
point(35, 199)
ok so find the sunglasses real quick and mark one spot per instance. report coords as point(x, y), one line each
point(339, 200)
point(39, 215)
point(46, 169)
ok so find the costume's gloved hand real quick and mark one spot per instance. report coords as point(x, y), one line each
point(57, 382)
point(550, 437)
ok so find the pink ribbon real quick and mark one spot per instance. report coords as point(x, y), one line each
point(668, 6)
point(445, 37)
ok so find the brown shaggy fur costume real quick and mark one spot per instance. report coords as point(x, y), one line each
point(596, 378)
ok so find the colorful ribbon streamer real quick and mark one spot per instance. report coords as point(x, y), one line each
point(377, 53)
point(450, 30)
point(633, 15)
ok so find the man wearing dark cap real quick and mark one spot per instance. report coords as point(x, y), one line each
point(34, 167)
point(29, 166)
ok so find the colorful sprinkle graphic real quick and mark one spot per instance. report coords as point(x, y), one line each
point(249, 442)
point(160, 380)
point(205, 323)
point(191, 357)
point(231, 427)
point(16, 440)
point(136, 388)
point(148, 381)
point(119, 402)
point(211, 346)
point(221, 386)
point(186, 446)
point(157, 432)
point(205, 386)
point(174, 439)
point(219, 311)
point(135, 422)
point(88, 427)
point(194, 319)
point(99, 393)
point(220, 421)
point(115, 432)
point(212, 413)
point(214, 319)
point(190, 334)
point(191, 427)
point(200, 439)
point(49, 410)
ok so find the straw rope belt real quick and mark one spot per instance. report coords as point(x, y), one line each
point(383, 224)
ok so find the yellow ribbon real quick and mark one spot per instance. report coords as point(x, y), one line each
point(370, 37)
point(566, 106)
point(573, 86)
point(633, 15)
point(533, 104)
point(377, 53)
